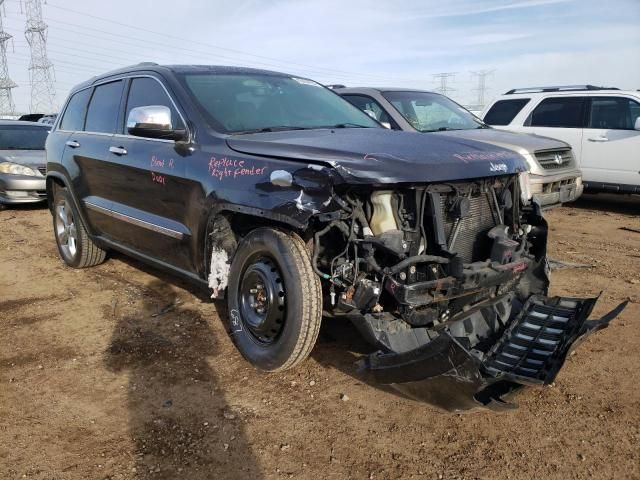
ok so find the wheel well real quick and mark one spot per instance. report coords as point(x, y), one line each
point(52, 182)
point(242, 223)
point(225, 229)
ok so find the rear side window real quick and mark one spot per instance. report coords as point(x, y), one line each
point(145, 91)
point(104, 106)
point(73, 118)
point(504, 111)
point(614, 113)
point(560, 112)
point(372, 108)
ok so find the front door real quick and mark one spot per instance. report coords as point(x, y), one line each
point(151, 194)
point(610, 145)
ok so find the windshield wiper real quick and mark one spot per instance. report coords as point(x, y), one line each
point(442, 129)
point(347, 125)
point(278, 128)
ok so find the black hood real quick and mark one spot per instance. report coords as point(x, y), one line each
point(381, 156)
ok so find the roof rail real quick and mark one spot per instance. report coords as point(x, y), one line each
point(147, 63)
point(561, 88)
point(335, 85)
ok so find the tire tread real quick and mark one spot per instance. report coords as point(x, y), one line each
point(311, 297)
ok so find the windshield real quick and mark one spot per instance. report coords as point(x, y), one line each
point(17, 137)
point(241, 103)
point(431, 112)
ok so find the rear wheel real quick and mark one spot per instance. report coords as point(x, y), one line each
point(74, 245)
point(275, 300)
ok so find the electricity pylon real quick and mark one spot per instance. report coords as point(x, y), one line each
point(481, 89)
point(7, 106)
point(41, 72)
point(444, 89)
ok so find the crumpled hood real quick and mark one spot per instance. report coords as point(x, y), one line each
point(28, 158)
point(380, 156)
point(501, 138)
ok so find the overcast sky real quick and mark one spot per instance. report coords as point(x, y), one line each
point(358, 43)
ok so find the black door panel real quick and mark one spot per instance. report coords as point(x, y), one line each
point(150, 187)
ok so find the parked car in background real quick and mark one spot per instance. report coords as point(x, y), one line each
point(22, 161)
point(553, 177)
point(48, 119)
point(601, 124)
point(275, 192)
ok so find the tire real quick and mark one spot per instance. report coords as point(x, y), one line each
point(74, 245)
point(274, 327)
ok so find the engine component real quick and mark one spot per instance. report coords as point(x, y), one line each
point(366, 295)
point(383, 218)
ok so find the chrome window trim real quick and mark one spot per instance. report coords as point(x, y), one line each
point(121, 135)
point(135, 221)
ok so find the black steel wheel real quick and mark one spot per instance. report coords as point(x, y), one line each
point(274, 298)
point(263, 300)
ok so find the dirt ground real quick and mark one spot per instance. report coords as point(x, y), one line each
point(120, 372)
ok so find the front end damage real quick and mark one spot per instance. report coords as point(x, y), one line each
point(449, 282)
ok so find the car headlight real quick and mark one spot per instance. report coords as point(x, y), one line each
point(16, 169)
point(525, 187)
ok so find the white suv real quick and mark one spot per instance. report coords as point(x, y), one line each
point(602, 125)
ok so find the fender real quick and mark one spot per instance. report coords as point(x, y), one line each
point(62, 178)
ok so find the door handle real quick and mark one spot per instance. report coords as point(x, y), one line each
point(118, 150)
point(72, 144)
point(599, 139)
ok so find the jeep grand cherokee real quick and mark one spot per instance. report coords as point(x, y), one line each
point(275, 192)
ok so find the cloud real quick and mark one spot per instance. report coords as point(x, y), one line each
point(362, 42)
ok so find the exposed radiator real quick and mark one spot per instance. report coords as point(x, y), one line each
point(471, 243)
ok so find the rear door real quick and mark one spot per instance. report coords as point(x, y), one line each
point(151, 194)
point(86, 154)
point(611, 146)
point(561, 117)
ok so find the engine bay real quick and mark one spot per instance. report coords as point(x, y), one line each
point(426, 255)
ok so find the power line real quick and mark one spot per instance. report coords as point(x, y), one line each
point(269, 63)
point(329, 71)
point(165, 49)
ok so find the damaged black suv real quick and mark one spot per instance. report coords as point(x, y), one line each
point(274, 191)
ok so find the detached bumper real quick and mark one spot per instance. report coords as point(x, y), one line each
point(22, 189)
point(530, 351)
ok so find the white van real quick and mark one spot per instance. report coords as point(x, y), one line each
point(602, 125)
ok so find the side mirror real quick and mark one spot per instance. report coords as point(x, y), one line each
point(637, 125)
point(153, 121)
point(386, 125)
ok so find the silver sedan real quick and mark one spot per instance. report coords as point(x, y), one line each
point(22, 161)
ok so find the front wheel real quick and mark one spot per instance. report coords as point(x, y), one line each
point(275, 300)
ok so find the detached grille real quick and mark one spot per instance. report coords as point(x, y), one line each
point(534, 346)
point(471, 243)
point(555, 159)
point(42, 170)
